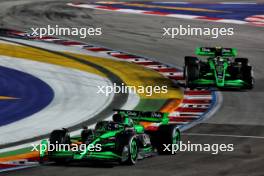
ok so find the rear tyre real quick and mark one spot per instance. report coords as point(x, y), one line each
point(168, 134)
point(247, 76)
point(59, 137)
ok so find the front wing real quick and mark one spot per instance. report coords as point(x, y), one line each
point(238, 83)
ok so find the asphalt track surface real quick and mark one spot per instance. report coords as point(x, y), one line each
point(239, 121)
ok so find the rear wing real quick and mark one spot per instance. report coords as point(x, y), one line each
point(210, 51)
point(145, 116)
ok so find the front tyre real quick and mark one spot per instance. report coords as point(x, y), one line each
point(133, 152)
point(243, 61)
point(168, 135)
point(130, 151)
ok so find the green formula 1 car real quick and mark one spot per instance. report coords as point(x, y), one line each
point(130, 136)
point(220, 69)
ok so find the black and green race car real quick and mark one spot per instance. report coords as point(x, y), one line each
point(221, 69)
point(130, 136)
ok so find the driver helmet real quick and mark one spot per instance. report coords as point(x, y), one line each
point(218, 51)
point(118, 118)
point(122, 118)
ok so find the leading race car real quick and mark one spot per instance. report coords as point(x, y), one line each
point(130, 136)
point(220, 69)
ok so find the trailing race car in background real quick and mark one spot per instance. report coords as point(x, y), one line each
point(132, 135)
point(220, 69)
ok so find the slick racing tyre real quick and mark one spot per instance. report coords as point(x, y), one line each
point(191, 70)
point(128, 149)
point(190, 60)
point(243, 61)
point(133, 151)
point(167, 135)
point(59, 137)
point(247, 76)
